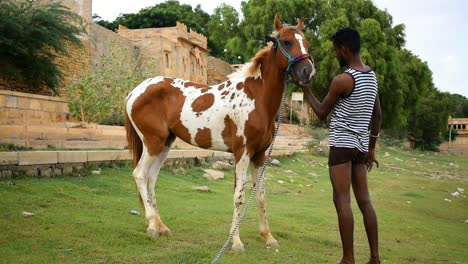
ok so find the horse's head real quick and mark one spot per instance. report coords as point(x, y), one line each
point(291, 48)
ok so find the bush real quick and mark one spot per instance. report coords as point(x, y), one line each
point(31, 36)
point(428, 122)
point(99, 96)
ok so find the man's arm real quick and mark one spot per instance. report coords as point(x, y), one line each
point(376, 121)
point(341, 85)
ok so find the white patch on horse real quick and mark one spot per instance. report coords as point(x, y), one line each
point(213, 117)
point(245, 72)
point(301, 42)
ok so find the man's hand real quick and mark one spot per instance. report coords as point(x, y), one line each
point(371, 159)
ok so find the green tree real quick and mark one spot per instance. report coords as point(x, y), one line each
point(31, 36)
point(458, 105)
point(162, 15)
point(428, 123)
point(223, 27)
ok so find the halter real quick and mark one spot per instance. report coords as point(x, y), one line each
point(291, 60)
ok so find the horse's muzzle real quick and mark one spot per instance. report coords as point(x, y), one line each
point(303, 72)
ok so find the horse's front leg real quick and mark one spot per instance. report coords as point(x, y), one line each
point(242, 166)
point(255, 167)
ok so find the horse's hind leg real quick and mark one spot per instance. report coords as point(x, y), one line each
point(145, 175)
point(255, 167)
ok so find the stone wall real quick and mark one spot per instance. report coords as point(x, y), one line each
point(218, 70)
point(21, 109)
point(103, 40)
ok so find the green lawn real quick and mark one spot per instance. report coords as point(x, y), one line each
point(87, 220)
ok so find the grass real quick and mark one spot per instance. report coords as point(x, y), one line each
point(87, 219)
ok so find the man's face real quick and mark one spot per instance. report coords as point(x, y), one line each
point(339, 54)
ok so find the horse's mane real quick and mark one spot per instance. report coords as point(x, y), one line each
point(252, 68)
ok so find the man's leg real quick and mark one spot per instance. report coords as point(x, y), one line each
point(340, 176)
point(361, 192)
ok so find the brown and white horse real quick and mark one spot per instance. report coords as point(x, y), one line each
point(236, 116)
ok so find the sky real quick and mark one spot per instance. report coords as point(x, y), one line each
point(436, 31)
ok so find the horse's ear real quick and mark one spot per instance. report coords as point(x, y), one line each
point(278, 23)
point(300, 24)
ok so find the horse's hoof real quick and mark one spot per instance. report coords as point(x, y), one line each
point(153, 233)
point(166, 232)
point(273, 243)
point(237, 248)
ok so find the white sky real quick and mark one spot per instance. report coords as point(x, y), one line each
point(436, 31)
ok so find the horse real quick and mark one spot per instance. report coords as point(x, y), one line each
point(235, 116)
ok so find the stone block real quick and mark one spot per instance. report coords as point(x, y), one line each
point(3, 116)
point(84, 144)
point(48, 106)
point(44, 144)
point(2, 100)
point(35, 104)
point(9, 158)
point(113, 131)
point(72, 156)
point(23, 103)
point(81, 132)
point(11, 101)
point(12, 131)
point(37, 157)
point(17, 142)
point(34, 117)
point(46, 132)
point(108, 155)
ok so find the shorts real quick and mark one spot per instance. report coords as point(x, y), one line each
point(342, 155)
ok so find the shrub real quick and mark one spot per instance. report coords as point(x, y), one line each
point(99, 95)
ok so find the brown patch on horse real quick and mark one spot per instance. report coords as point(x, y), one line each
point(203, 138)
point(196, 85)
point(233, 96)
point(231, 140)
point(203, 102)
point(240, 86)
point(206, 89)
point(221, 87)
point(154, 135)
point(168, 80)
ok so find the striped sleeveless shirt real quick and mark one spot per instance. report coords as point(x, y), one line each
point(349, 126)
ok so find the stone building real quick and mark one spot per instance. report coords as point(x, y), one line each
point(458, 145)
point(179, 51)
point(173, 51)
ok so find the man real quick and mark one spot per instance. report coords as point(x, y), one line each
point(356, 107)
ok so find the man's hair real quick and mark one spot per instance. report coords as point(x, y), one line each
point(347, 37)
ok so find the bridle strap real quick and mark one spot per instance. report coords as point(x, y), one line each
point(291, 60)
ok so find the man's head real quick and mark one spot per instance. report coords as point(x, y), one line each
point(347, 43)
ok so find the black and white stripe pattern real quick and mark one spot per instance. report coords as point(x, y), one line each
point(349, 126)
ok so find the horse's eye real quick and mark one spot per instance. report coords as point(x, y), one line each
point(287, 43)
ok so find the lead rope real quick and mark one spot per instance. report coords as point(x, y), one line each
point(262, 171)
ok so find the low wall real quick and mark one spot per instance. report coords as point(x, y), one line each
point(25, 109)
point(55, 163)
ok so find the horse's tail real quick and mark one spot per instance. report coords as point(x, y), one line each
point(135, 145)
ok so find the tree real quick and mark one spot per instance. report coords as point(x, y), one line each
point(428, 123)
point(31, 36)
point(162, 15)
point(222, 27)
